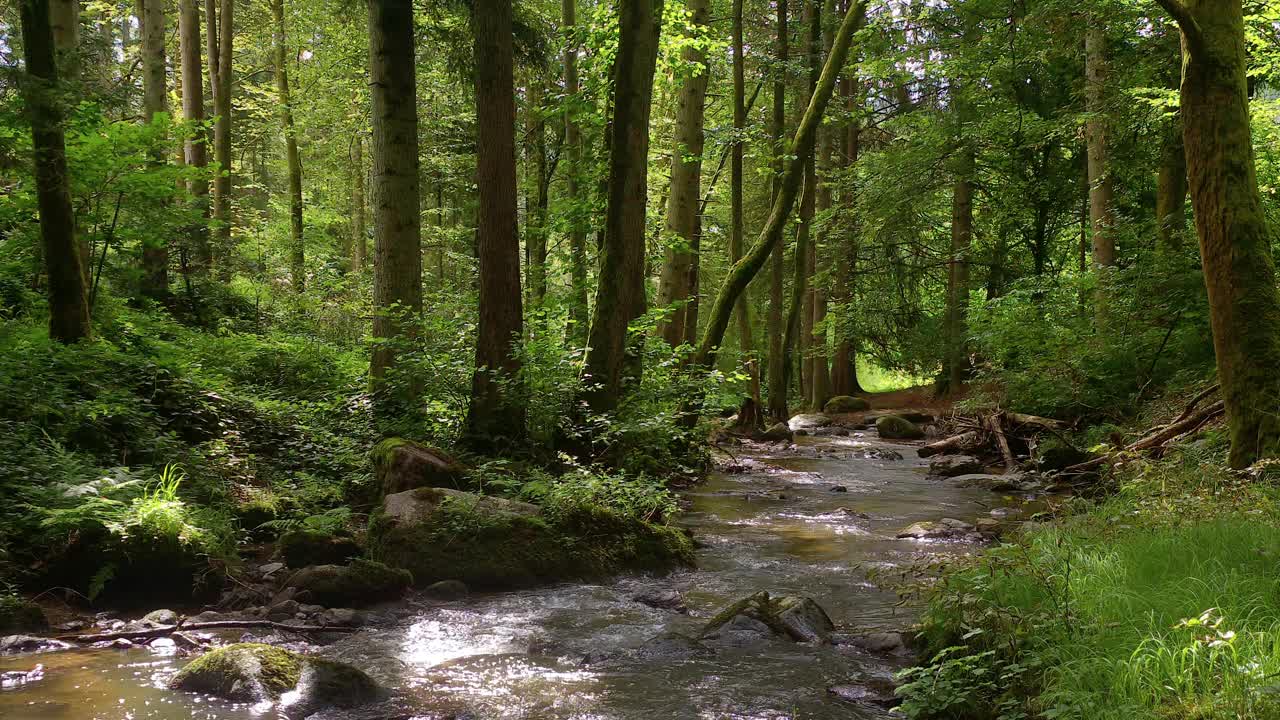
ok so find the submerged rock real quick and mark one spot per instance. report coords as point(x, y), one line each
point(777, 432)
point(894, 427)
point(254, 672)
point(808, 421)
point(845, 404)
point(363, 582)
point(761, 617)
point(946, 528)
point(882, 643)
point(672, 646)
point(400, 465)
point(447, 590)
point(879, 692)
point(663, 600)
point(488, 542)
point(21, 644)
point(831, 431)
point(952, 465)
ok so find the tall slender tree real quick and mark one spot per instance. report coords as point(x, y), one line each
point(1235, 241)
point(297, 247)
point(497, 408)
point(358, 245)
point(397, 277)
point(736, 230)
point(68, 297)
point(219, 33)
point(1100, 191)
point(679, 268)
point(155, 251)
point(578, 317)
point(620, 296)
point(196, 144)
point(777, 408)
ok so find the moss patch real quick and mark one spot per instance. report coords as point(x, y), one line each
point(245, 672)
point(363, 582)
point(300, 548)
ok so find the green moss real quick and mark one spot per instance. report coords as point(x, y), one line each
point(242, 672)
point(361, 583)
point(759, 606)
point(302, 547)
point(487, 546)
point(381, 452)
point(894, 427)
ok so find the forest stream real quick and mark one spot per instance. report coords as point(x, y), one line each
point(569, 651)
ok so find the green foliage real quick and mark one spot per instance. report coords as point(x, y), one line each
point(1157, 603)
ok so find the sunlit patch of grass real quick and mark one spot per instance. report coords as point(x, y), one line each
point(876, 379)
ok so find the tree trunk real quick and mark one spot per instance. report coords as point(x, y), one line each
point(620, 295)
point(68, 297)
point(64, 17)
point(798, 328)
point(1171, 189)
point(777, 407)
point(497, 408)
point(397, 276)
point(218, 38)
point(741, 274)
point(297, 248)
point(686, 185)
point(742, 312)
point(155, 251)
point(844, 363)
point(958, 268)
point(1235, 242)
point(1100, 194)
point(358, 246)
point(538, 196)
point(578, 309)
point(820, 382)
point(196, 145)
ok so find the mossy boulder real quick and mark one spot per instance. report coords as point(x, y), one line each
point(894, 427)
point(777, 432)
point(400, 465)
point(790, 617)
point(20, 616)
point(845, 404)
point(142, 568)
point(253, 673)
point(363, 582)
point(300, 548)
point(487, 542)
point(1053, 454)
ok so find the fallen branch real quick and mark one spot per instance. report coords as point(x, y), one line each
point(957, 443)
point(1036, 420)
point(1158, 441)
point(166, 630)
point(1010, 461)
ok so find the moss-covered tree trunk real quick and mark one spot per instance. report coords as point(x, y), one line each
point(219, 21)
point(196, 145)
point(685, 195)
point(620, 296)
point(497, 408)
point(358, 245)
point(777, 407)
point(742, 272)
point(154, 283)
point(1235, 241)
point(958, 269)
point(578, 310)
point(68, 297)
point(397, 262)
point(1100, 192)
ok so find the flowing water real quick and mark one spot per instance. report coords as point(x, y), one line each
point(566, 651)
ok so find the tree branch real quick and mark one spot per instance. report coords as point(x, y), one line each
point(1190, 28)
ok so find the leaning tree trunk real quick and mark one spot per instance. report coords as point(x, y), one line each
point(497, 410)
point(397, 276)
point(620, 294)
point(155, 251)
point(1235, 242)
point(578, 312)
point(218, 40)
point(743, 271)
point(777, 407)
point(297, 248)
point(741, 310)
point(68, 297)
point(196, 145)
point(686, 185)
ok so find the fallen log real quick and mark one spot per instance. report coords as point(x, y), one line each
point(1157, 442)
point(1035, 420)
point(955, 444)
point(166, 630)
point(1010, 462)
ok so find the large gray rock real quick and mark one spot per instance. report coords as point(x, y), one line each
point(845, 404)
point(400, 465)
point(22, 644)
point(944, 529)
point(254, 673)
point(777, 432)
point(893, 427)
point(808, 421)
point(1012, 482)
point(953, 465)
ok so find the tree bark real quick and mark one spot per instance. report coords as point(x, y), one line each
point(68, 297)
point(297, 247)
point(958, 267)
point(686, 186)
point(620, 295)
point(736, 230)
point(196, 144)
point(155, 251)
point(358, 246)
point(538, 195)
point(497, 409)
point(742, 272)
point(218, 38)
point(820, 374)
point(397, 277)
point(1235, 242)
point(64, 17)
point(1100, 193)
point(578, 308)
point(844, 364)
point(777, 407)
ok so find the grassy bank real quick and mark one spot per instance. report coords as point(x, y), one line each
point(1160, 601)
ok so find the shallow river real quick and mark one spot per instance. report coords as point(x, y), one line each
point(779, 527)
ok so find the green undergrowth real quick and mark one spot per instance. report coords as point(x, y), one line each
point(1162, 601)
